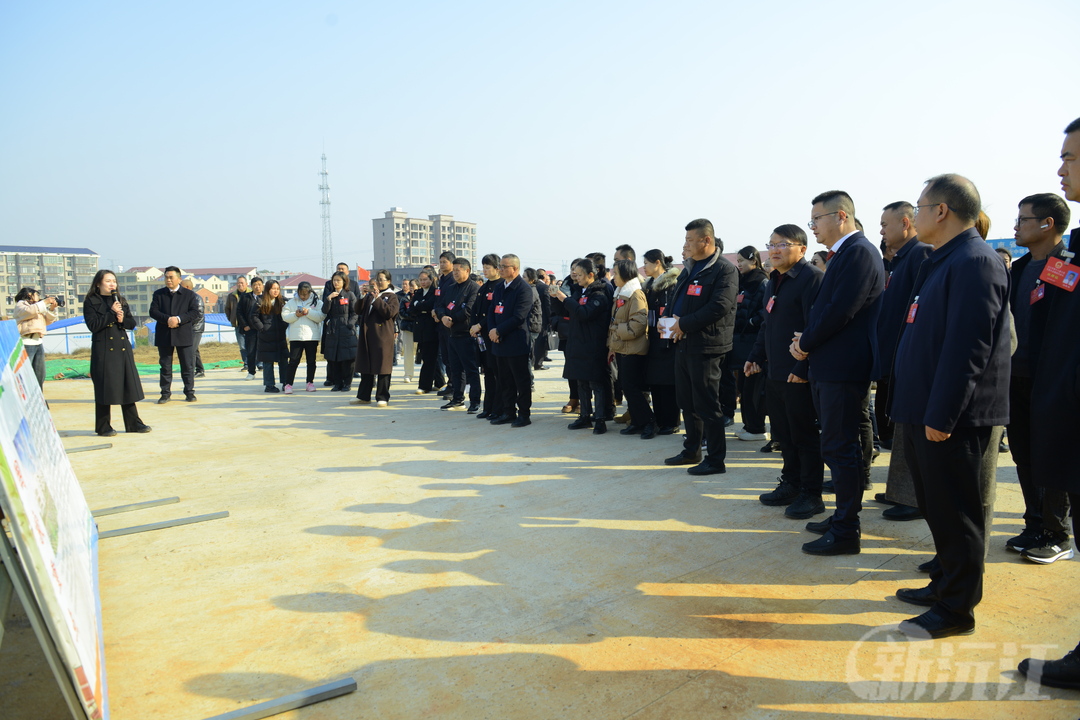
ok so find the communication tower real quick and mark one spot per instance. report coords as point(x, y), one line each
point(327, 242)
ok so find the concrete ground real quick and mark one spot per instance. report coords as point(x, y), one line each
point(461, 570)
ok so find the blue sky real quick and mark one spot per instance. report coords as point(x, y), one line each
point(190, 133)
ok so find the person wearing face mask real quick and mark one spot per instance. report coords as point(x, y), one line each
point(303, 314)
point(376, 311)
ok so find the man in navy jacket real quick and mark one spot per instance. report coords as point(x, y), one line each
point(840, 342)
point(790, 294)
point(704, 311)
point(455, 312)
point(951, 389)
point(508, 332)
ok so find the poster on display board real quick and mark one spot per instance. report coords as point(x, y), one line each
point(51, 524)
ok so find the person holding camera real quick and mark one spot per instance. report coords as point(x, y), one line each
point(33, 314)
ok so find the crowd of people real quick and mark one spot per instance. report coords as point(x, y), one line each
point(957, 344)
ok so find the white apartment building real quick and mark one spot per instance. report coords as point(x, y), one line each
point(58, 271)
point(404, 245)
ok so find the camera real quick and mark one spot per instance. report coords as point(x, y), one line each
point(59, 300)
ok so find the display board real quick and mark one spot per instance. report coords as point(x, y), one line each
point(52, 527)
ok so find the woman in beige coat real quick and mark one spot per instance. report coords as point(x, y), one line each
point(629, 342)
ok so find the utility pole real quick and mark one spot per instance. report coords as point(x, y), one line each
point(327, 242)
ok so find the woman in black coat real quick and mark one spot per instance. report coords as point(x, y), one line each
point(273, 343)
point(660, 369)
point(112, 362)
point(749, 315)
point(426, 334)
point(586, 344)
point(339, 333)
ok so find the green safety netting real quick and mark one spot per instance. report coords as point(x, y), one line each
point(64, 369)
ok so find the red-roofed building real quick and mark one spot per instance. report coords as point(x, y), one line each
point(289, 285)
point(229, 275)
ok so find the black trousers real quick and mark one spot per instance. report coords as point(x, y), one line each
point(752, 400)
point(591, 399)
point(665, 406)
point(186, 356)
point(841, 407)
point(866, 436)
point(729, 388)
point(251, 342)
point(492, 404)
point(298, 350)
point(444, 356)
point(431, 374)
point(340, 372)
point(540, 347)
point(794, 426)
point(382, 387)
point(1044, 509)
point(697, 388)
point(465, 369)
point(515, 389)
point(947, 487)
point(103, 417)
point(198, 356)
point(632, 374)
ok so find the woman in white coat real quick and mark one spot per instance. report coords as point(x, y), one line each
point(304, 315)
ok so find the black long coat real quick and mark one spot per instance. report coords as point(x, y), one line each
point(660, 292)
point(273, 345)
point(339, 330)
point(112, 363)
point(422, 304)
point(586, 337)
point(375, 349)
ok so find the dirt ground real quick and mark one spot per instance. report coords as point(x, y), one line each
point(456, 569)
point(147, 354)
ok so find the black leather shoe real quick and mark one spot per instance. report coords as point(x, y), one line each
point(192, 398)
point(668, 430)
point(683, 459)
point(930, 565)
point(784, 494)
point(483, 416)
point(820, 527)
point(163, 399)
point(1063, 673)
point(473, 408)
point(108, 433)
point(902, 513)
point(829, 544)
point(504, 420)
point(931, 625)
point(143, 428)
point(917, 596)
point(771, 446)
point(631, 430)
point(649, 432)
point(707, 468)
point(599, 427)
point(329, 383)
point(521, 422)
point(880, 498)
point(581, 423)
point(805, 506)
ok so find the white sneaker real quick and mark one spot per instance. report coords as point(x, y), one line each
point(250, 376)
point(381, 403)
point(287, 390)
point(752, 437)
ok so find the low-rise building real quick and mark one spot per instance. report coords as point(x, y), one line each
point(59, 271)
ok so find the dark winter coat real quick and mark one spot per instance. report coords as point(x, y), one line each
point(339, 328)
point(749, 312)
point(183, 304)
point(792, 295)
point(509, 316)
point(245, 306)
point(422, 304)
point(375, 349)
point(660, 292)
point(706, 305)
point(273, 344)
point(459, 304)
point(405, 318)
point(112, 363)
point(586, 339)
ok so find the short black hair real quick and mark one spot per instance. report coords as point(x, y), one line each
point(958, 193)
point(1048, 205)
point(1074, 126)
point(835, 201)
point(448, 254)
point(901, 207)
point(598, 258)
point(491, 260)
point(626, 270)
point(173, 268)
point(702, 226)
point(342, 263)
point(256, 279)
point(791, 232)
point(463, 262)
point(627, 252)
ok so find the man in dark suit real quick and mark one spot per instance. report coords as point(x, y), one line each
point(703, 331)
point(442, 288)
point(455, 314)
point(175, 309)
point(951, 389)
point(792, 287)
point(1055, 412)
point(479, 332)
point(907, 253)
point(507, 320)
point(840, 342)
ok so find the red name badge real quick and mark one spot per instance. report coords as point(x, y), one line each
point(438, 292)
point(343, 301)
point(499, 309)
point(772, 300)
point(490, 295)
point(739, 297)
point(1060, 273)
point(694, 290)
point(911, 312)
point(1037, 294)
point(620, 302)
point(661, 311)
point(450, 305)
point(582, 300)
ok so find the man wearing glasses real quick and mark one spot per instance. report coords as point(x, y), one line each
point(792, 287)
point(952, 364)
point(840, 342)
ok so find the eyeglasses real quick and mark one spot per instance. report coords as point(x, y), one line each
point(507, 267)
point(930, 205)
point(813, 220)
point(779, 246)
point(1022, 218)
